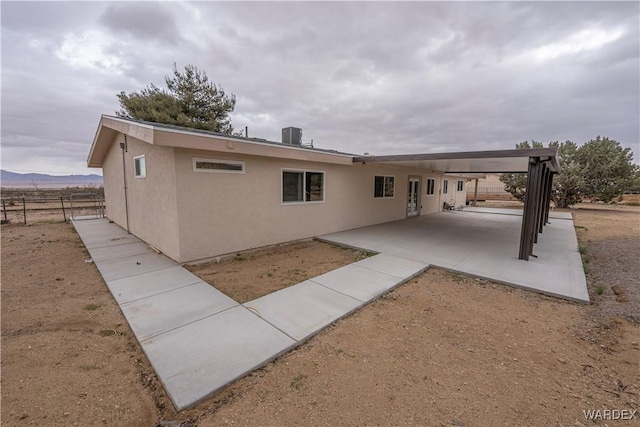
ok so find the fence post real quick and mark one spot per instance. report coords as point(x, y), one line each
point(24, 209)
point(4, 210)
point(64, 214)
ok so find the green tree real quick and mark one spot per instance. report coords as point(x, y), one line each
point(567, 186)
point(516, 183)
point(635, 183)
point(607, 169)
point(600, 170)
point(190, 100)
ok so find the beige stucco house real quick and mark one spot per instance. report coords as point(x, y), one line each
point(195, 194)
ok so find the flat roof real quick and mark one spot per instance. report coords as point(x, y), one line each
point(161, 134)
point(220, 135)
point(469, 162)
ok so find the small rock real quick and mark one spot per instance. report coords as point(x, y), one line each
point(457, 422)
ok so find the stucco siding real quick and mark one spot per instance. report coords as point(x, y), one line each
point(114, 185)
point(222, 213)
point(460, 197)
point(153, 215)
point(431, 202)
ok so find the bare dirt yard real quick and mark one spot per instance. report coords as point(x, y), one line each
point(68, 356)
point(248, 276)
point(443, 349)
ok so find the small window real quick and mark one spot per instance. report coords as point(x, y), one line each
point(217, 166)
point(460, 185)
point(445, 186)
point(140, 168)
point(431, 186)
point(302, 186)
point(383, 186)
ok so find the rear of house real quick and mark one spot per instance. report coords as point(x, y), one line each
point(195, 195)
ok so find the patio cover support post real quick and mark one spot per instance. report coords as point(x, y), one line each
point(542, 199)
point(547, 205)
point(538, 202)
point(528, 229)
point(475, 194)
point(545, 198)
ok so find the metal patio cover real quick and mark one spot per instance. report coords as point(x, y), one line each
point(540, 165)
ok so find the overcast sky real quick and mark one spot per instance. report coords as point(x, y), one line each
point(383, 78)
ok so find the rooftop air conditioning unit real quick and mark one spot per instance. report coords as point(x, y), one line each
point(292, 136)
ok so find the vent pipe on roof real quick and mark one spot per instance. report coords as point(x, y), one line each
point(292, 136)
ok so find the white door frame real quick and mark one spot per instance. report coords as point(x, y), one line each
point(413, 196)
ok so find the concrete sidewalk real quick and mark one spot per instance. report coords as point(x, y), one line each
point(197, 339)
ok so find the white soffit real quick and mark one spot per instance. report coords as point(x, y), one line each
point(500, 161)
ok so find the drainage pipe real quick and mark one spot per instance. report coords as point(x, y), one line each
point(123, 145)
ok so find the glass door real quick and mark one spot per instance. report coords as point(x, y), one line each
point(412, 204)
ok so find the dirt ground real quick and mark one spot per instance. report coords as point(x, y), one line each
point(248, 276)
point(68, 356)
point(441, 350)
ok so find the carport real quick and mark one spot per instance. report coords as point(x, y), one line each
point(540, 165)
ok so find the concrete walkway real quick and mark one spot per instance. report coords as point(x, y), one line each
point(197, 339)
point(482, 242)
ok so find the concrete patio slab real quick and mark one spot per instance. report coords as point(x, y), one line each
point(303, 309)
point(518, 211)
point(358, 282)
point(144, 285)
point(196, 360)
point(483, 245)
point(557, 271)
point(133, 265)
point(163, 312)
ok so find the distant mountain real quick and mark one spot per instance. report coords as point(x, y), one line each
point(40, 180)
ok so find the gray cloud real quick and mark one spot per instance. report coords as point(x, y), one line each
point(140, 22)
point(358, 77)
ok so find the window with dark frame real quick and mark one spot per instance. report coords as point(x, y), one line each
point(445, 186)
point(383, 186)
point(314, 186)
point(431, 186)
point(302, 186)
point(219, 166)
point(139, 167)
point(460, 185)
